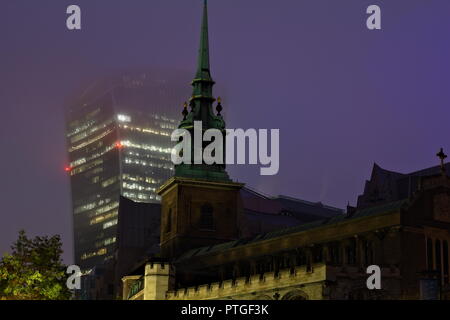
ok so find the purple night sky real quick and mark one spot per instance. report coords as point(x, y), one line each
point(342, 96)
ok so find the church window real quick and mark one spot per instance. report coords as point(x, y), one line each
point(207, 217)
point(351, 252)
point(438, 255)
point(317, 254)
point(368, 252)
point(429, 254)
point(300, 257)
point(169, 221)
point(445, 252)
point(334, 253)
point(445, 258)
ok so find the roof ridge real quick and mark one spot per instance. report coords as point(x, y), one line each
point(429, 168)
point(293, 229)
point(257, 192)
point(309, 202)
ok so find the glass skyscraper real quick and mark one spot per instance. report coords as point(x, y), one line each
point(118, 138)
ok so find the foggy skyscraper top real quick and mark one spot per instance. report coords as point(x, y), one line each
point(118, 139)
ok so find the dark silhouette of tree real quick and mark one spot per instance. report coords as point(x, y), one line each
point(34, 270)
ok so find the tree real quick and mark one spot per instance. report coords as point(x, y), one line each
point(34, 270)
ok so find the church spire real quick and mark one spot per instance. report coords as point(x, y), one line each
point(203, 83)
point(202, 98)
point(203, 71)
point(201, 105)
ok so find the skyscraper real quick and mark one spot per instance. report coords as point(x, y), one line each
point(118, 138)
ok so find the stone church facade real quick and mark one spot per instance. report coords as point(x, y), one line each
point(408, 239)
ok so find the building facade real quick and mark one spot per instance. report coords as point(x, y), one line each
point(118, 138)
point(204, 256)
point(407, 239)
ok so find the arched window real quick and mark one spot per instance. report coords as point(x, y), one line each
point(445, 258)
point(207, 217)
point(351, 252)
point(429, 254)
point(335, 256)
point(437, 246)
point(300, 257)
point(368, 252)
point(317, 254)
point(168, 227)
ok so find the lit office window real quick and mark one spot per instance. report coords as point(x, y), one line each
point(109, 224)
point(123, 118)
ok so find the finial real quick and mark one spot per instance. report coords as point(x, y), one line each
point(185, 112)
point(442, 156)
point(219, 106)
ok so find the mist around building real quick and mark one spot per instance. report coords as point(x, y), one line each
point(145, 228)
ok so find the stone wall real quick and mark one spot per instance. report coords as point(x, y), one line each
point(296, 283)
point(156, 281)
point(300, 283)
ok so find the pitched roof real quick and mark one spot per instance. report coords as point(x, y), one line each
point(430, 171)
point(289, 204)
point(382, 209)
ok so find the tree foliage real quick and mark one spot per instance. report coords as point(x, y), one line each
point(34, 270)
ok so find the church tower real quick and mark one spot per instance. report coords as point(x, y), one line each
point(200, 205)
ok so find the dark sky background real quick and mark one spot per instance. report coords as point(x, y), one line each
point(342, 96)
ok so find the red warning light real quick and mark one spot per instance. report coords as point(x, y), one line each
point(119, 145)
point(67, 169)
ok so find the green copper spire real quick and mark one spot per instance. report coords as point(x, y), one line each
point(203, 71)
point(202, 98)
point(201, 104)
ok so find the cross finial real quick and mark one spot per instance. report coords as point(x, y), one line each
point(442, 156)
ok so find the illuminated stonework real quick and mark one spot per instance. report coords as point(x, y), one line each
point(301, 283)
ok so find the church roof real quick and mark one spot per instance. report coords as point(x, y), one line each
point(314, 208)
point(387, 186)
point(423, 172)
point(281, 203)
point(430, 171)
point(363, 213)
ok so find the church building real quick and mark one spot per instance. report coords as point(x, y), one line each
point(400, 224)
